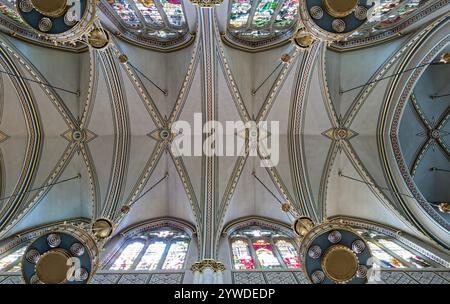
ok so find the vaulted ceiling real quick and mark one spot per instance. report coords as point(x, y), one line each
point(424, 135)
point(327, 137)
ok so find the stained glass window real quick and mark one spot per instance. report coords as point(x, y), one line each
point(176, 255)
point(240, 12)
point(128, 256)
point(264, 12)
point(152, 256)
point(126, 12)
point(393, 254)
point(267, 259)
point(392, 10)
point(11, 262)
point(159, 248)
point(174, 12)
point(9, 11)
point(149, 11)
point(288, 13)
point(242, 258)
point(288, 253)
point(386, 259)
point(405, 254)
point(163, 19)
point(388, 13)
point(255, 20)
point(256, 247)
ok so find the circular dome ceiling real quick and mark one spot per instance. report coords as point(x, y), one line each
point(424, 135)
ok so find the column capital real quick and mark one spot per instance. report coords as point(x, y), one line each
point(208, 263)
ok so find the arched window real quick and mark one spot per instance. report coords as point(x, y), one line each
point(256, 247)
point(162, 19)
point(12, 260)
point(392, 253)
point(261, 19)
point(162, 248)
point(387, 14)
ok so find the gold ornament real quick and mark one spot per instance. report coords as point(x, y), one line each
point(102, 228)
point(445, 58)
point(303, 225)
point(302, 38)
point(123, 58)
point(147, 3)
point(285, 58)
point(444, 207)
point(98, 38)
point(125, 209)
point(340, 133)
point(286, 206)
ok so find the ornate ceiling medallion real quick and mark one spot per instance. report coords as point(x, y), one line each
point(339, 134)
point(332, 253)
point(50, 259)
point(333, 20)
point(164, 134)
point(60, 21)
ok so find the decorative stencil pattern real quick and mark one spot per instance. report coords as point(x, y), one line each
point(166, 278)
point(297, 277)
point(248, 278)
point(280, 278)
point(133, 279)
point(16, 279)
point(105, 278)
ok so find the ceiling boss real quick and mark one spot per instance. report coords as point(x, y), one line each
point(69, 254)
point(329, 20)
point(332, 253)
point(61, 21)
